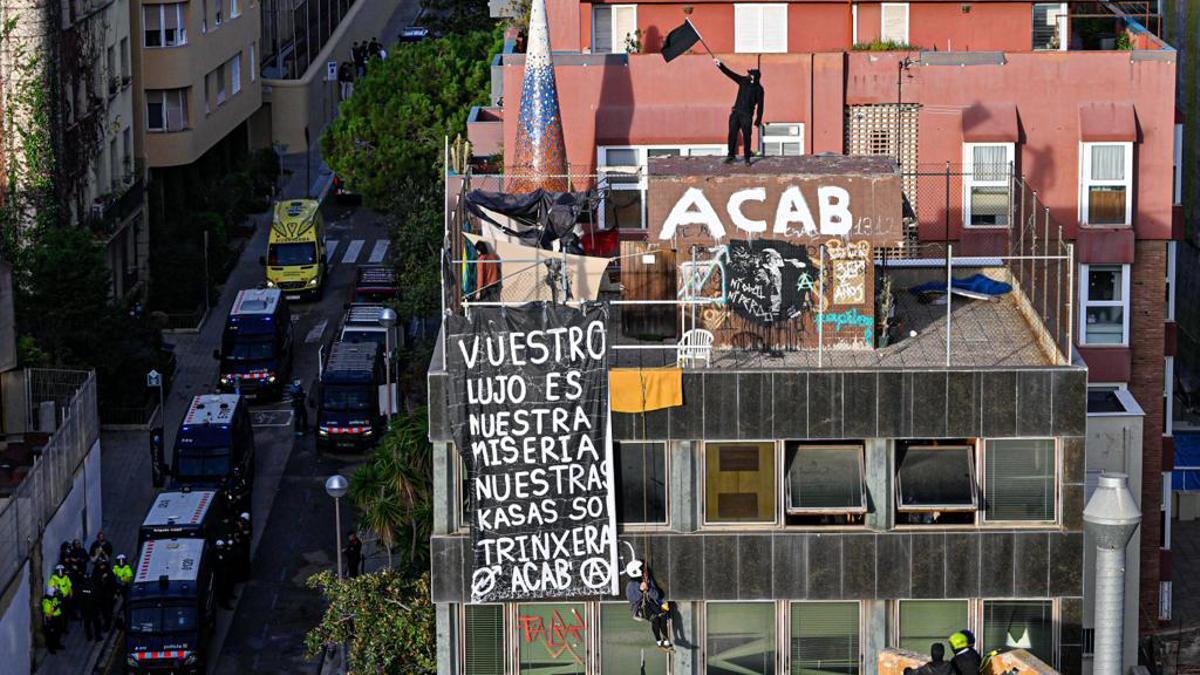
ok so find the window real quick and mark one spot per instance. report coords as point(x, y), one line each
point(234, 10)
point(623, 643)
point(218, 13)
point(987, 168)
point(114, 165)
point(784, 140)
point(825, 638)
point(127, 150)
point(164, 25)
point(483, 639)
point(551, 638)
point(253, 62)
point(1104, 299)
point(739, 482)
point(1107, 183)
point(759, 29)
point(893, 22)
point(125, 58)
point(1025, 624)
point(166, 109)
point(613, 28)
point(740, 637)
point(924, 622)
point(110, 62)
point(235, 72)
point(825, 479)
point(1050, 25)
point(642, 481)
point(207, 93)
point(932, 481)
point(220, 78)
point(623, 179)
point(1019, 479)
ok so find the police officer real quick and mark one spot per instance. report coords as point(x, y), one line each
point(89, 607)
point(62, 584)
point(299, 410)
point(124, 575)
point(241, 537)
point(105, 584)
point(354, 556)
point(52, 620)
point(221, 573)
point(966, 660)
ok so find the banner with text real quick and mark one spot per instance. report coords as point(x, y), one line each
point(529, 411)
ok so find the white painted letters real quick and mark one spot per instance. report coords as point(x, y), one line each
point(734, 207)
point(693, 208)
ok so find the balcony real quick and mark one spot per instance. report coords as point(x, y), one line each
point(110, 211)
point(1010, 307)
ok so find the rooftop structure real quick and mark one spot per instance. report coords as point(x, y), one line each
point(256, 302)
point(179, 508)
point(175, 559)
point(211, 409)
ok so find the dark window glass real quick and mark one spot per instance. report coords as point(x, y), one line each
point(940, 478)
point(825, 478)
point(641, 477)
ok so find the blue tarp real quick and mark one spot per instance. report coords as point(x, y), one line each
point(976, 283)
point(1187, 454)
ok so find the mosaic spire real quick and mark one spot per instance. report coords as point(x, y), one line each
point(540, 156)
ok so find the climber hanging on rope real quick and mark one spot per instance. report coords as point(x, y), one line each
point(647, 603)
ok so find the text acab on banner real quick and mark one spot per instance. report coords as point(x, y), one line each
point(529, 409)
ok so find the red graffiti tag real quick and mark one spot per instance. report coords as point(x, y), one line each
point(559, 637)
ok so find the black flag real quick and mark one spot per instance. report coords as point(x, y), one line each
point(679, 41)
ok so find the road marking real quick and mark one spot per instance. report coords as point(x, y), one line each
point(330, 247)
point(271, 418)
point(380, 250)
point(317, 331)
point(352, 251)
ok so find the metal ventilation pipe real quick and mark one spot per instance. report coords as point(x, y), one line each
point(1110, 517)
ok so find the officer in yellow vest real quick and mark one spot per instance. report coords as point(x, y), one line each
point(124, 574)
point(52, 620)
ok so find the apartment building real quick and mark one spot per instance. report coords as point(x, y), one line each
point(1077, 99)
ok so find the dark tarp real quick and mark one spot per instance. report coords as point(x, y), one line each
point(545, 216)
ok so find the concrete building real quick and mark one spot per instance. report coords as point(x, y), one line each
point(1101, 153)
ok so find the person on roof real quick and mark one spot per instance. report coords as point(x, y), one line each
point(646, 602)
point(488, 273)
point(937, 664)
point(966, 660)
point(749, 99)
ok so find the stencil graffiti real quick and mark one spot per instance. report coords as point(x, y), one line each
point(849, 271)
point(770, 282)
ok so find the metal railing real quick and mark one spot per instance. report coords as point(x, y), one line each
point(34, 501)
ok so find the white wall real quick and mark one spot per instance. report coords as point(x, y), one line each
point(16, 636)
point(68, 522)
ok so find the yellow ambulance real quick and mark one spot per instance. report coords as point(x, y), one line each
point(295, 259)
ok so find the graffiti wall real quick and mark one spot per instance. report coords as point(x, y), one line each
point(780, 253)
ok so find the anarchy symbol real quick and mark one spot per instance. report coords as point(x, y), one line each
point(595, 572)
point(483, 580)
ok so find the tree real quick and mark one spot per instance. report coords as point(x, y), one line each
point(394, 490)
point(387, 620)
point(393, 127)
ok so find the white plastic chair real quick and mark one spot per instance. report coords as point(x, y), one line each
point(694, 346)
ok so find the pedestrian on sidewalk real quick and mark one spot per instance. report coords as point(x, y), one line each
point(52, 618)
point(345, 78)
point(376, 48)
point(90, 608)
point(354, 556)
point(101, 549)
point(359, 53)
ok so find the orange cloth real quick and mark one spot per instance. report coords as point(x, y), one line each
point(487, 273)
point(634, 390)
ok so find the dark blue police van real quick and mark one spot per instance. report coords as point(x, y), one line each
point(349, 416)
point(256, 345)
point(170, 614)
point(215, 447)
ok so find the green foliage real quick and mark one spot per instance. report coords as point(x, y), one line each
point(456, 16)
point(1124, 42)
point(394, 125)
point(387, 620)
point(394, 490)
point(885, 46)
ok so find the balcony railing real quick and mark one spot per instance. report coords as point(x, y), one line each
point(109, 211)
point(651, 310)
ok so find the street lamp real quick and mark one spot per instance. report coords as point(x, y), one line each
point(387, 319)
point(1110, 517)
point(336, 486)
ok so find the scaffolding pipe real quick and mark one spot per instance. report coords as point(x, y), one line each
point(821, 310)
point(949, 295)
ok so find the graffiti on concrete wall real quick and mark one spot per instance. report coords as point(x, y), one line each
point(848, 269)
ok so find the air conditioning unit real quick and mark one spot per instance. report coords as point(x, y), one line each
point(97, 211)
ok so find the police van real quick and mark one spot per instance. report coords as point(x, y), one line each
point(215, 445)
point(256, 345)
point(170, 614)
point(199, 514)
point(350, 409)
point(361, 324)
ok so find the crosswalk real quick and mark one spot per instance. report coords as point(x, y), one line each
point(353, 249)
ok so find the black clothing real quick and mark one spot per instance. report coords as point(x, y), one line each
point(345, 72)
point(749, 94)
point(658, 626)
point(105, 584)
point(100, 547)
point(354, 558)
point(936, 668)
point(740, 123)
point(222, 578)
point(376, 48)
point(967, 661)
point(89, 606)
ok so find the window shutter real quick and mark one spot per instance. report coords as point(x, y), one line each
point(825, 637)
point(895, 23)
point(624, 20)
point(602, 23)
point(1020, 479)
point(1108, 162)
point(484, 640)
point(774, 28)
point(747, 28)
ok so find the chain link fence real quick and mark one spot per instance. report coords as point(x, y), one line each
point(68, 399)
